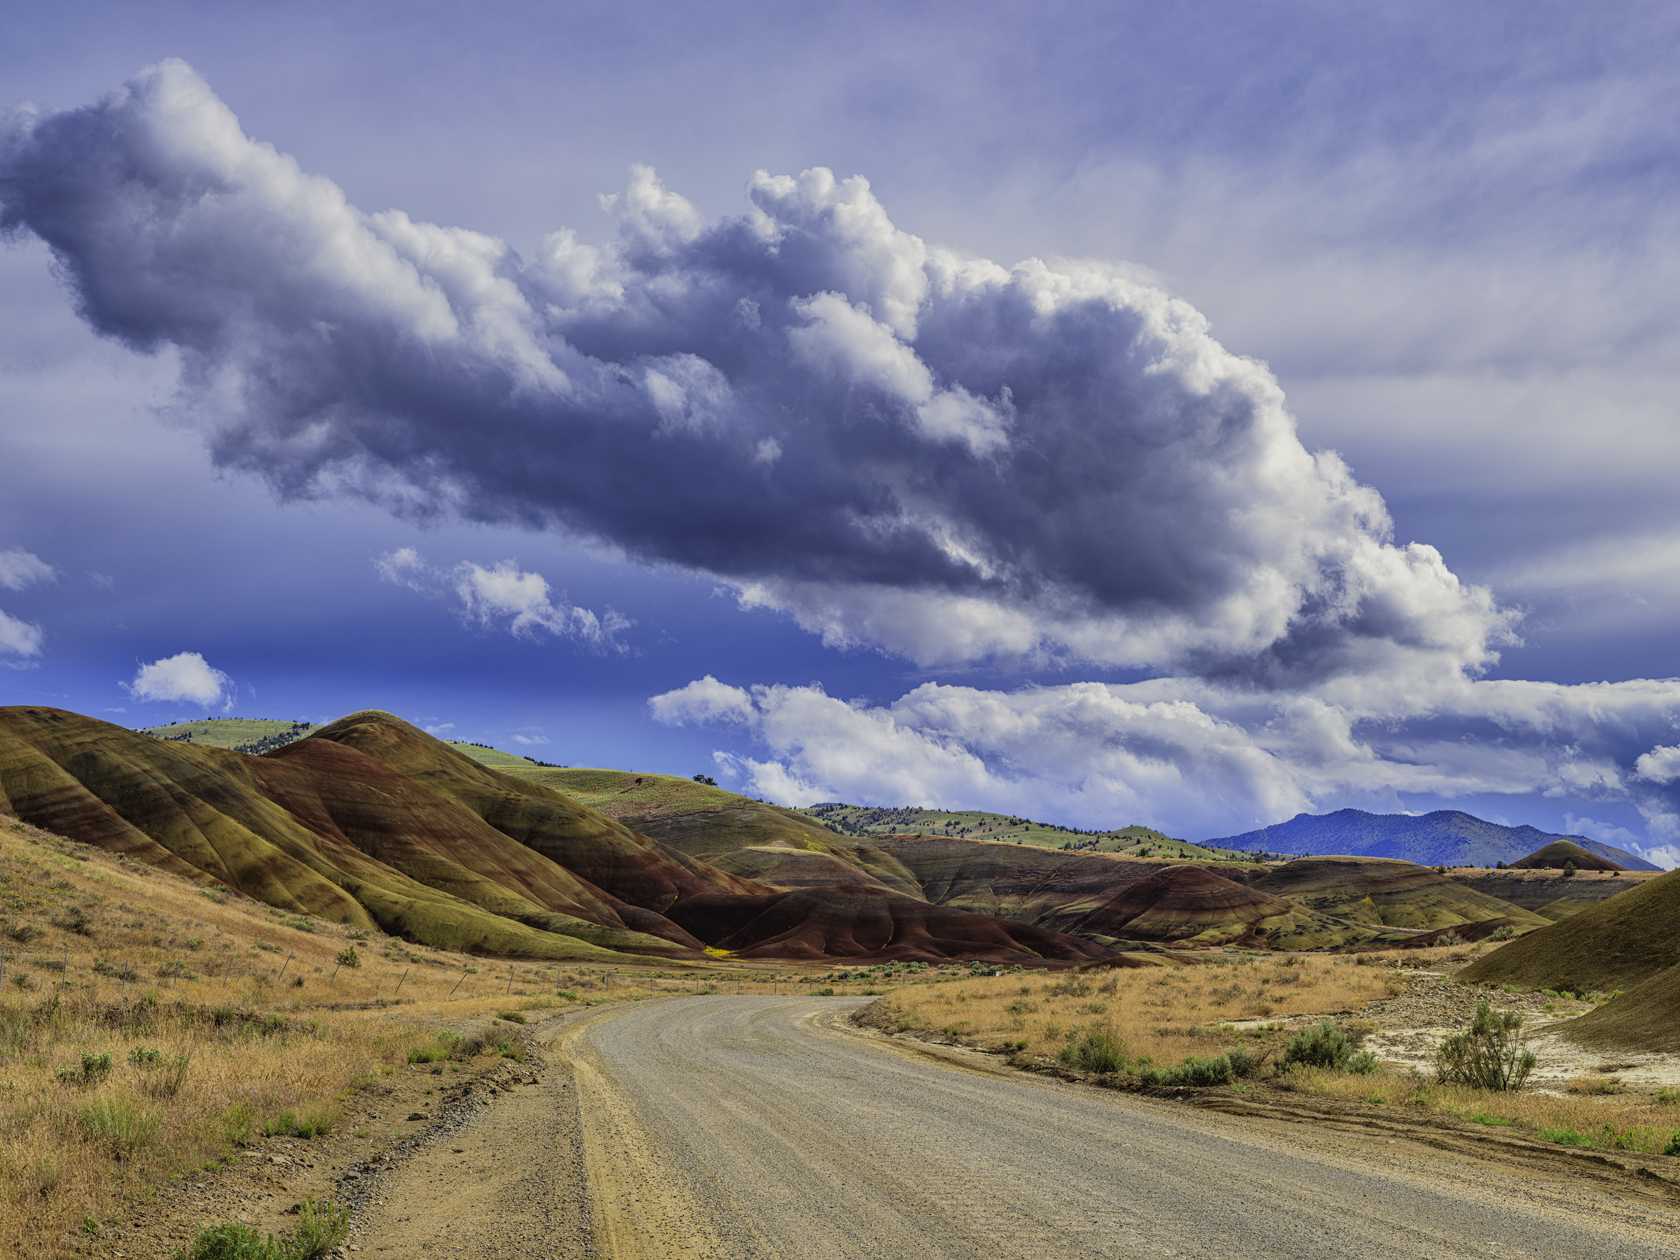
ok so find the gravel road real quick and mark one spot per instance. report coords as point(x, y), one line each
point(768, 1127)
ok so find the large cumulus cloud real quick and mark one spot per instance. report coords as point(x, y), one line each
point(900, 446)
point(1203, 757)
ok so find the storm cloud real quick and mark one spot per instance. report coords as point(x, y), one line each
point(898, 445)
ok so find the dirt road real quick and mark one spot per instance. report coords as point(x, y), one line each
point(766, 1127)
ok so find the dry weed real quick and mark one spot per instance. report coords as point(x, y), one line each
point(1165, 1013)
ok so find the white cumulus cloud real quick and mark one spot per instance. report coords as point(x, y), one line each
point(1200, 757)
point(186, 676)
point(504, 594)
point(900, 446)
point(18, 569)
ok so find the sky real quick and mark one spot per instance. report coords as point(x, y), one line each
point(1181, 415)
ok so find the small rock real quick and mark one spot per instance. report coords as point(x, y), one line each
point(417, 1115)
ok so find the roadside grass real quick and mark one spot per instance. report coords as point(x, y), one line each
point(1620, 1122)
point(1155, 1023)
point(150, 1026)
point(1162, 1014)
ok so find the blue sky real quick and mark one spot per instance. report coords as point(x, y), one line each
point(1323, 458)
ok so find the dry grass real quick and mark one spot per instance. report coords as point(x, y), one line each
point(1163, 1012)
point(1612, 1120)
point(104, 957)
point(1167, 1014)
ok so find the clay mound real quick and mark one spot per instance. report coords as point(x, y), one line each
point(371, 821)
point(1184, 903)
point(321, 830)
point(608, 855)
point(1558, 854)
point(1616, 944)
point(867, 922)
point(1646, 1017)
point(1467, 933)
point(794, 868)
point(1387, 892)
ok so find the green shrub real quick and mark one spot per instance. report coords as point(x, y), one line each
point(233, 1241)
point(1564, 1137)
point(1324, 1046)
point(1099, 1051)
point(1668, 1094)
point(128, 1128)
point(568, 994)
point(1192, 1071)
point(320, 1228)
point(510, 1049)
point(348, 957)
point(289, 1124)
point(428, 1054)
point(512, 1017)
point(1673, 1147)
point(93, 1069)
point(1490, 1056)
point(160, 1075)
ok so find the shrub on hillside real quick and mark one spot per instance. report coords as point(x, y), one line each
point(1490, 1056)
point(1326, 1046)
point(1100, 1051)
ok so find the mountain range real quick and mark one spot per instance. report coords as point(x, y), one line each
point(1447, 837)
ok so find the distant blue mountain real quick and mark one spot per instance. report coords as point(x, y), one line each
point(1447, 837)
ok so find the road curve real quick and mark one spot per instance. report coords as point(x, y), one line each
point(765, 1127)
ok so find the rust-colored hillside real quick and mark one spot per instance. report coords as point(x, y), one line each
point(370, 821)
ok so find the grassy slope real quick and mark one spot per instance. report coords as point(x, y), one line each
point(1616, 944)
point(1548, 893)
point(246, 734)
point(1386, 892)
point(211, 814)
point(269, 1019)
point(974, 824)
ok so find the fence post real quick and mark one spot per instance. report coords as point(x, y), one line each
point(398, 989)
point(457, 986)
point(283, 967)
point(334, 975)
point(122, 994)
point(64, 983)
point(227, 973)
point(510, 978)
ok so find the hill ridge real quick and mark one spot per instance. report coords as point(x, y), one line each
point(1442, 837)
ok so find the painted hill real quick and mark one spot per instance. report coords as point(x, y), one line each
point(1562, 853)
point(1387, 893)
point(370, 821)
point(1646, 1017)
point(1448, 837)
point(1617, 944)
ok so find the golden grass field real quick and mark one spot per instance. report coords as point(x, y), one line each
point(1153, 1009)
point(105, 957)
point(1169, 1013)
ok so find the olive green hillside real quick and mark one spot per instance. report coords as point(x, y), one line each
point(735, 833)
point(247, 735)
point(1616, 944)
point(1561, 854)
point(1090, 895)
point(1550, 893)
point(369, 820)
point(628, 796)
point(1645, 1018)
point(1386, 892)
point(313, 828)
point(867, 821)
